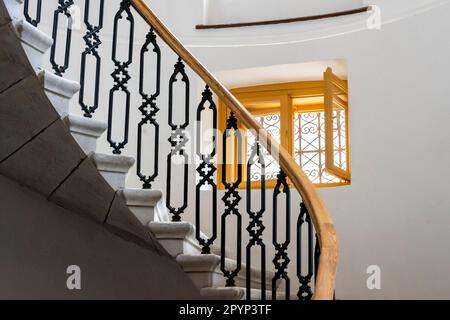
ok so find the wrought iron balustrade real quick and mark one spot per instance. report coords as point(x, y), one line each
point(261, 232)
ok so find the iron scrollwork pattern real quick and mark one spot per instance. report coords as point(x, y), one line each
point(149, 110)
point(309, 144)
point(256, 228)
point(35, 22)
point(206, 171)
point(121, 76)
point(92, 40)
point(231, 200)
point(281, 260)
point(178, 140)
point(305, 291)
point(63, 9)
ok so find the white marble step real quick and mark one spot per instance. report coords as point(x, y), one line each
point(176, 237)
point(239, 293)
point(86, 131)
point(204, 271)
point(114, 168)
point(145, 204)
point(232, 293)
point(15, 8)
point(179, 237)
point(34, 42)
point(58, 90)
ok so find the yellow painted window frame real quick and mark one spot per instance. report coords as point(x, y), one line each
point(334, 88)
point(285, 93)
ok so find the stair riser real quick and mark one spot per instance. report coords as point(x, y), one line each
point(116, 180)
point(34, 42)
point(58, 90)
point(85, 131)
point(114, 169)
point(60, 103)
point(144, 203)
point(144, 214)
point(234, 293)
point(214, 279)
point(15, 8)
point(87, 143)
point(179, 246)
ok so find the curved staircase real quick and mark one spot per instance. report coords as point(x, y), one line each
point(179, 239)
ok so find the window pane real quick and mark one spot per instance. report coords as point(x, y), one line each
point(309, 144)
point(271, 123)
point(340, 145)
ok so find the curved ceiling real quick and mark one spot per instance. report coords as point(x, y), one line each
point(386, 11)
point(233, 11)
point(309, 71)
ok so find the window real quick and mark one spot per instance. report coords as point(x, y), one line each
point(309, 119)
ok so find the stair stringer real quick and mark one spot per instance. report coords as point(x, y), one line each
point(38, 152)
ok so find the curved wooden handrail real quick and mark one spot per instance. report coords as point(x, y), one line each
point(326, 274)
point(282, 21)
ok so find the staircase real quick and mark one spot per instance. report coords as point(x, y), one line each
point(208, 265)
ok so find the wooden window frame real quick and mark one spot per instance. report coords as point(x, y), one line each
point(285, 93)
point(333, 88)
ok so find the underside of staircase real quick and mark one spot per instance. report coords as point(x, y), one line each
point(58, 207)
point(49, 155)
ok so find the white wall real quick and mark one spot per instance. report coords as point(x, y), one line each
point(395, 214)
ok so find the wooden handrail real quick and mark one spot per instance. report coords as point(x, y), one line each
point(326, 274)
point(282, 21)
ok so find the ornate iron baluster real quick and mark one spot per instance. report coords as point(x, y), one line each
point(281, 260)
point(305, 291)
point(28, 18)
point(178, 141)
point(92, 40)
point(121, 76)
point(64, 9)
point(231, 200)
point(256, 227)
point(149, 110)
point(206, 170)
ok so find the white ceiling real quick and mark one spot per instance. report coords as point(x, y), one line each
point(281, 73)
point(230, 11)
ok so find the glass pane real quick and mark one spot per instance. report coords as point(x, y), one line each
point(339, 134)
point(309, 144)
point(272, 124)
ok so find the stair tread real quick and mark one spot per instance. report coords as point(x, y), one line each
point(58, 85)
point(181, 230)
point(178, 230)
point(191, 259)
point(32, 36)
point(113, 163)
point(237, 293)
point(211, 263)
point(87, 126)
